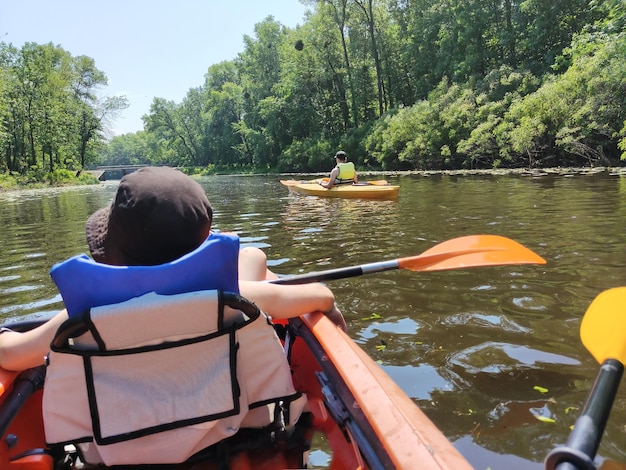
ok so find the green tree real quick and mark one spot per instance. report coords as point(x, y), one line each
point(165, 123)
point(224, 110)
point(131, 149)
point(51, 116)
point(91, 112)
point(259, 72)
point(406, 84)
point(576, 117)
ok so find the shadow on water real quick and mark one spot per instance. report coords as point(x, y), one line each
point(492, 355)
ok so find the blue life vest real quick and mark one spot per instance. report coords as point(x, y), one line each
point(84, 283)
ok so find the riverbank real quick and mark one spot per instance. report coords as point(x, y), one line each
point(37, 180)
point(67, 178)
point(566, 172)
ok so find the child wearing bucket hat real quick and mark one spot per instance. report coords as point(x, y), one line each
point(158, 215)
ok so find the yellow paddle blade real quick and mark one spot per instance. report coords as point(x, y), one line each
point(290, 182)
point(471, 251)
point(603, 329)
point(370, 182)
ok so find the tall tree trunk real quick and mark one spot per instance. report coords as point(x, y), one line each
point(508, 12)
point(369, 16)
point(346, 58)
point(340, 20)
point(341, 90)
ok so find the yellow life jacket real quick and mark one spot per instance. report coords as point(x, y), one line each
point(346, 172)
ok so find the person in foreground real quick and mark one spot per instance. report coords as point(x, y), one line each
point(158, 215)
point(344, 172)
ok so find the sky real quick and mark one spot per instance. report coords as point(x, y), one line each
point(147, 48)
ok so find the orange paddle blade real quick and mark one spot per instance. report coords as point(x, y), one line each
point(603, 329)
point(471, 251)
point(464, 252)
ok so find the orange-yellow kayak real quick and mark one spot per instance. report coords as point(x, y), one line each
point(367, 420)
point(346, 191)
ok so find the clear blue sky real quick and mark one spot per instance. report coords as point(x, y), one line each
point(147, 48)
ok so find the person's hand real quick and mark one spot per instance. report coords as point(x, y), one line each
point(336, 317)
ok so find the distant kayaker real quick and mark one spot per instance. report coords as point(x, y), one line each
point(158, 215)
point(344, 172)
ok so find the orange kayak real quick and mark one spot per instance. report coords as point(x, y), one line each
point(345, 191)
point(366, 419)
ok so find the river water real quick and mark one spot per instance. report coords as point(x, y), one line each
point(492, 354)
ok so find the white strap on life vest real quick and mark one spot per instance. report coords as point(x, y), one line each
point(158, 378)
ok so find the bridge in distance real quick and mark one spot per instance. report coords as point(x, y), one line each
point(113, 172)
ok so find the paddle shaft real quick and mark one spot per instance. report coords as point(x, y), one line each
point(458, 253)
point(338, 273)
point(24, 385)
point(584, 439)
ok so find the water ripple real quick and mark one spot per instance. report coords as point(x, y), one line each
point(495, 358)
point(479, 319)
point(469, 345)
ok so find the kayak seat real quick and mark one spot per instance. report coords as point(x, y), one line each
point(291, 445)
point(248, 448)
point(160, 379)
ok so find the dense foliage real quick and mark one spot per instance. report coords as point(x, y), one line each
point(51, 117)
point(398, 84)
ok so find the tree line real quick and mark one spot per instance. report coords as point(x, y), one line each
point(51, 115)
point(398, 84)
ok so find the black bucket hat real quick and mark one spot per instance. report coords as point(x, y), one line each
point(158, 215)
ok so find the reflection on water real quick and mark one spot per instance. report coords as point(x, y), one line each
point(492, 355)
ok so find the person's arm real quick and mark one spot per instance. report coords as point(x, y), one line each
point(281, 302)
point(356, 177)
point(288, 301)
point(20, 351)
point(331, 180)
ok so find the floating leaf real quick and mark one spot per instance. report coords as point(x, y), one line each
point(545, 419)
point(382, 346)
point(540, 389)
point(571, 408)
point(373, 316)
point(419, 342)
